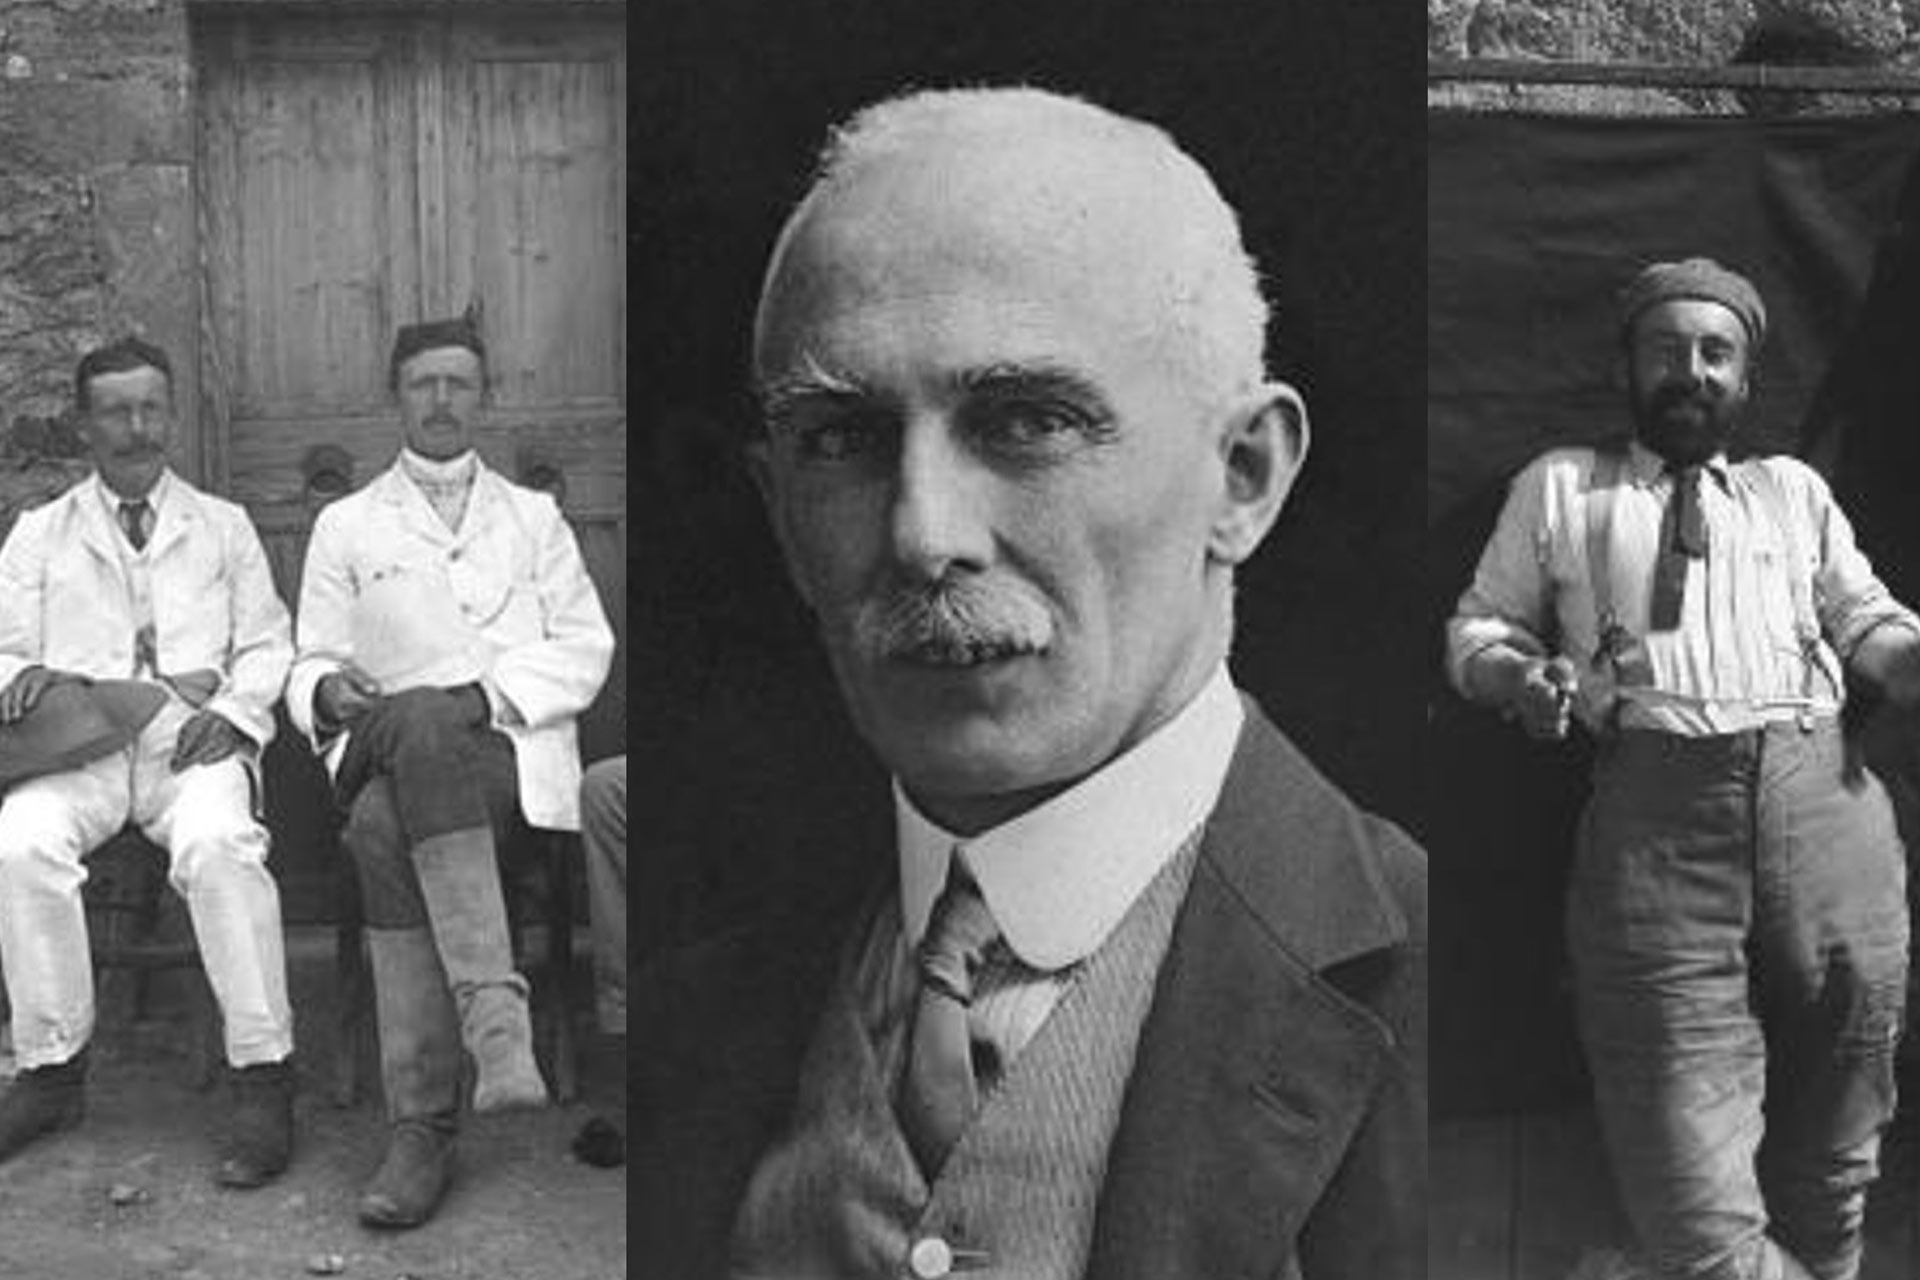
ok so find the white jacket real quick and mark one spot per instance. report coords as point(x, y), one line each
point(65, 601)
point(516, 572)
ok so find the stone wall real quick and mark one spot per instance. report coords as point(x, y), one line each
point(1873, 36)
point(95, 216)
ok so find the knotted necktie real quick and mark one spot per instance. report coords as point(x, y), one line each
point(1684, 538)
point(938, 1094)
point(133, 519)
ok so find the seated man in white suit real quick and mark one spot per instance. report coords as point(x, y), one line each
point(134, 573)
point(448, 636)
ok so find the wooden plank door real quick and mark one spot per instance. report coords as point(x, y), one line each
point(358, 171)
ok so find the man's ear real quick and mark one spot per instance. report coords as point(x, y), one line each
point(759, 457)
point(1263, 447)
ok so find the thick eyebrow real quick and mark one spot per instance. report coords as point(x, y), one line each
point(780, 395)
point(1038, 379)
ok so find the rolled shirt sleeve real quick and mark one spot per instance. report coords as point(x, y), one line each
point(1511, 599)
point(1849, 597)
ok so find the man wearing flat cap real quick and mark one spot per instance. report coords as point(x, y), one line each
point(1736, 918)
point(447, 638)
point(142, 647)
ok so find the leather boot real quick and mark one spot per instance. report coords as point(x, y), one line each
point(602, 1140)
point(460, 883)
point(43, 1100)
point(420, 1074)
point(257, 1139)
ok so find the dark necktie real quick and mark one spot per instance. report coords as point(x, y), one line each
point(133, 519)
point(938, 1093)
point(1683, 538)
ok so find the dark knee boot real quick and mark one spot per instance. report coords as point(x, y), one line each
point(41, 1101)
point(602, 1140)
point(420, 1073)
point(460, 884)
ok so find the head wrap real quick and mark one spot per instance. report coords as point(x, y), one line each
point(1700, 278)
point(430, 335)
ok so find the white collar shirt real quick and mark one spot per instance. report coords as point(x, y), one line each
point(137, 564)
point(1060, 877)
point(1737, 659)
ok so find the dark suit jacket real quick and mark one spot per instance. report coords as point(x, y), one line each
point(1276, 1116)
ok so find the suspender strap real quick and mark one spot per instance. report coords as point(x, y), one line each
point(1600, 497)
point(1779, 509)
point(1774, 501)
point(1611, 638)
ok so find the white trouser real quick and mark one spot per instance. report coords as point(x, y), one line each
point(216, 861)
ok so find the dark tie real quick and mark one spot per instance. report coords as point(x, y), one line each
point(938, 1094)
point(1684, 538)
point(133, 519)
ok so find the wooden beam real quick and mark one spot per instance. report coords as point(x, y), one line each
point(1865, 81)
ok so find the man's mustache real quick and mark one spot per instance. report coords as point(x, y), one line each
point(438, 418)
point(1673, 395)
point(953, 622)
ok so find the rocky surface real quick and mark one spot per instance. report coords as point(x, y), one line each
point(1873, 35)
point(95, 142)
point(1681, 32)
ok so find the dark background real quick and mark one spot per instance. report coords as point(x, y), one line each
point(1311, 122)
point(1535, 224)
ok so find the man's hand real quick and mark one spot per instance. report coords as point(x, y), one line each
point(19, 697)
point(343, 696)
point(206, 738)
point(1543, 700)
point(1889, 655)
point(378, 736)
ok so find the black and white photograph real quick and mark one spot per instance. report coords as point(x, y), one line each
point(313, 675)
point(1671, 548)
point(1028, 650)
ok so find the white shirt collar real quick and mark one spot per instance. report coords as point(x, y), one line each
point(156, 497)
point(442, 472)
point(1060, 877)
point(1649, 468)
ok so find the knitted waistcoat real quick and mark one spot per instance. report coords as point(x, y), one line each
point(840, 1195)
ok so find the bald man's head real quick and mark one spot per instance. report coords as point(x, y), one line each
point(943, 173)
point(1018, 435)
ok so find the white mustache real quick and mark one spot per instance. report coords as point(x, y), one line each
point(955, 622)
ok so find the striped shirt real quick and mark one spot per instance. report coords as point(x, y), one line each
point(1736, 659)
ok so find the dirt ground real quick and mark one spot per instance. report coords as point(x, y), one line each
point(128, 1196)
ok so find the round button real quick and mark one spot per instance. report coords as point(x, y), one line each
point(930, 1258)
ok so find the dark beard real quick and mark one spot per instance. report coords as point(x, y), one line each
point(1685, 424)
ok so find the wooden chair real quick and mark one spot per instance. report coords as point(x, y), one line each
point(137, 928)
point(541, 888)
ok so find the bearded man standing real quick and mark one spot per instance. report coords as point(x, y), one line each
point(1737, 919)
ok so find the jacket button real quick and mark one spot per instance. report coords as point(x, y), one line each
point(930, 1258)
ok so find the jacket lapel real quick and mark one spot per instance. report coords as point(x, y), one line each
point(1252, 1073)
point(483, 504)
point(410, 507)
point(96, 528)
point(180, 516)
